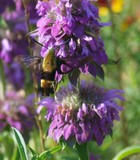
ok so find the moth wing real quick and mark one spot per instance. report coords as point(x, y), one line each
point(34, 63)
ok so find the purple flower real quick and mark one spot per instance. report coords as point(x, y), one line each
point(15, 75)
point(42, 8)
point(31, 9)
point(6, 48)
point(82, 114)
point(15, 13)
point(72, 29)
point(13, 41)
point(12, 48)
point(17, 112)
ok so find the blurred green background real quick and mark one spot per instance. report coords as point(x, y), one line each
point(122, 40)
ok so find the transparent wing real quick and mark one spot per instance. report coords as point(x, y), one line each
point(34, 63)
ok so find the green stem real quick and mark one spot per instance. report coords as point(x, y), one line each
point(2, 81)
point(37, 118)
point(40, 127)
point(82, 151)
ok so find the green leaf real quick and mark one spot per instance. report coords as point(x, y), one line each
point(35, 157)
point(63, 144)
point(21, 144)
point(127, 152)
point(48, 153)
point(32, 151)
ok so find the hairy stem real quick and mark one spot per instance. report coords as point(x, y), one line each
point(40, 127)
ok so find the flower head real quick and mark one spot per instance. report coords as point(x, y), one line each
point(82, 114)
point(72, 29)
point(16, 111)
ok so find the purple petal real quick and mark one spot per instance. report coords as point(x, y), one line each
point(80, 114)
point(68, 131)
point(49, 103)
point(97, 133)
point(22, 109)
point(58, 76)
point(85, 108)
point(55, 30)
point(57, 134)
point(101, 110)
point(78, 31)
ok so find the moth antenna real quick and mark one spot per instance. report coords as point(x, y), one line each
point(45, 46)
point(42, 44)
point(38, 42)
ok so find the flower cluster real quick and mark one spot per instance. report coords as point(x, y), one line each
point(16, 111)
point(82, 114)
point(12, 40)
point(72, 29)
point(13, 12)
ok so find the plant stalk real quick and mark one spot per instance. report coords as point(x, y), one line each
point(38, 117)
point(82, 151)
point(2, 81)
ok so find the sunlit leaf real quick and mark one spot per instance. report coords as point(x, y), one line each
point(48, 153)
point(32, 151)
point(35, 157)
point(21, 144)
point(127, 152)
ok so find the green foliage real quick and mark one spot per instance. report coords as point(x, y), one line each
point(21, 144)
point(127, 152)
point(48, 153)
point(23, 149)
